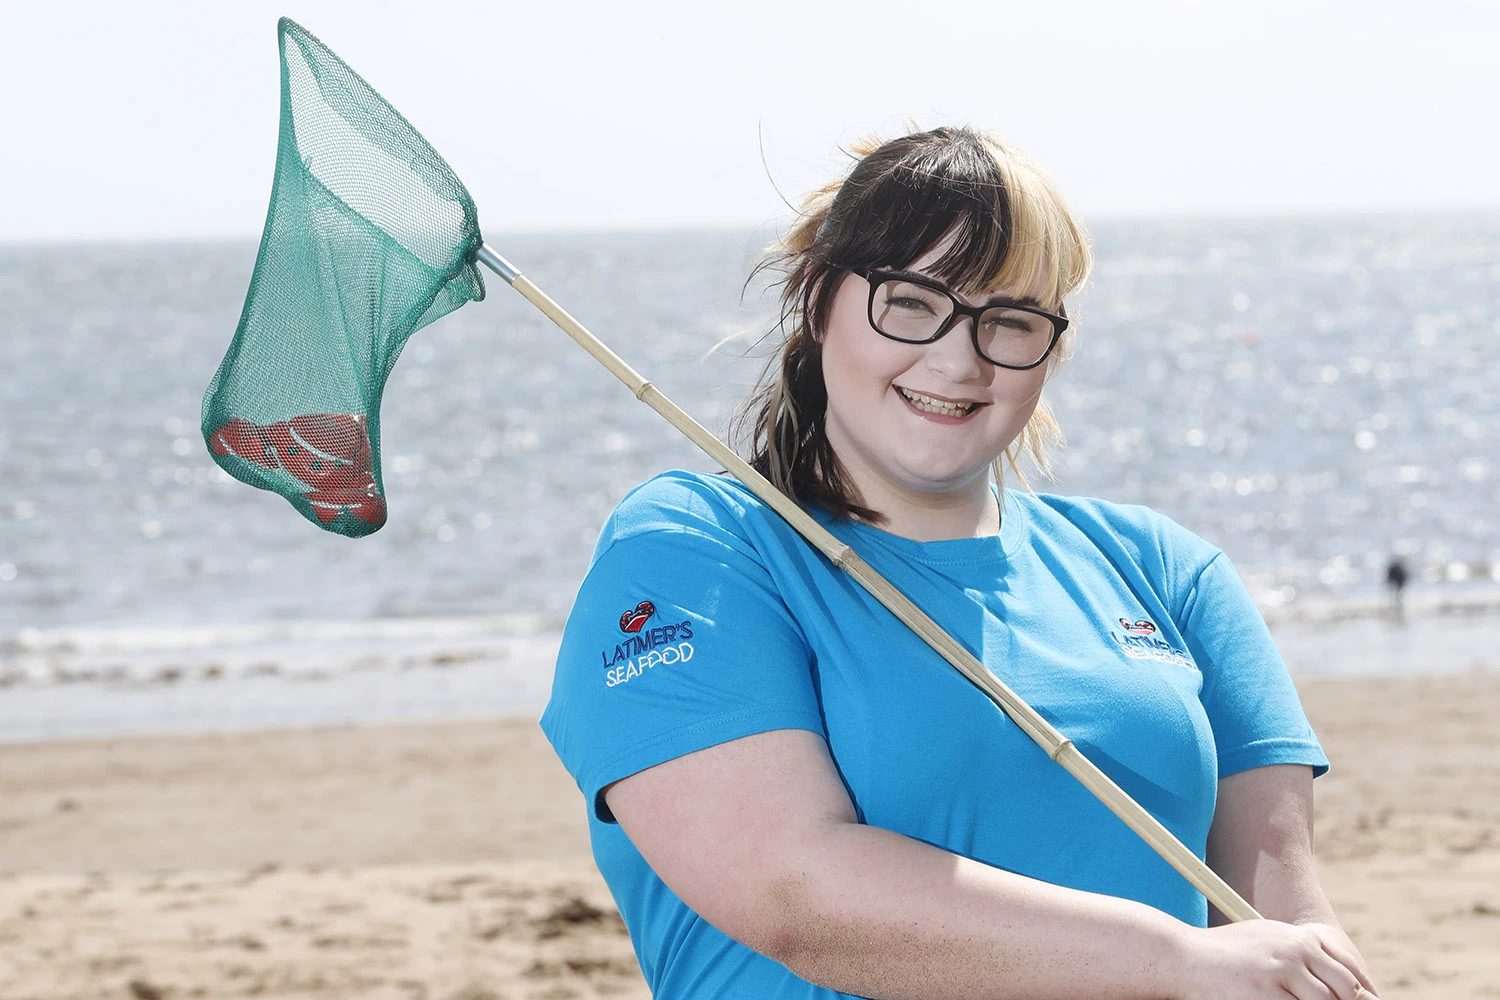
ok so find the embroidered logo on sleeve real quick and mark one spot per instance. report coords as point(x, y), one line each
point(1142, 643)
point(645, 648)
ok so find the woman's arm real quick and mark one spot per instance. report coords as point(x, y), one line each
point(1261, 843)
point(759, 837)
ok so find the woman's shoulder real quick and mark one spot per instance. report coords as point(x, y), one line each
point(687, 502)
point(1148, 534)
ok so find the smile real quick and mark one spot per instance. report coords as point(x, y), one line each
point(928, 404)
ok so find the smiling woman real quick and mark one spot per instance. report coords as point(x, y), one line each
point(789, 793)
point(962, 210)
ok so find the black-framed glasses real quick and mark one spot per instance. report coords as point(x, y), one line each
point(915, 309)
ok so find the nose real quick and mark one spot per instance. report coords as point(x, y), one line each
point(953, 355)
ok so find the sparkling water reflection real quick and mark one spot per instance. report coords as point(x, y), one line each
point(1308, 394)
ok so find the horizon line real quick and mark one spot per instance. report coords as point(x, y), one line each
point(1105, 218)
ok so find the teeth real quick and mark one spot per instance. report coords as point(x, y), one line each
point(929, 405)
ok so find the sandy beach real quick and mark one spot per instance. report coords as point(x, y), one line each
point(450, 860)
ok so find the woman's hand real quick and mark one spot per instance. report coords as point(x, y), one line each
point(1270, 960)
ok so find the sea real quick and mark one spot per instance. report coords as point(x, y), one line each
point(1317, 396)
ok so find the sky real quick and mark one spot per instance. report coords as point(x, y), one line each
point(158, 119)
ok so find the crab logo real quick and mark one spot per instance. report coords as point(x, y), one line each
point(1139, 627)
point(632, 620)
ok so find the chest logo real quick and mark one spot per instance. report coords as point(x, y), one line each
point(632, 620)
point(1140, 642)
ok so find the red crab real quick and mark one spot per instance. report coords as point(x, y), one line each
point(328, 453)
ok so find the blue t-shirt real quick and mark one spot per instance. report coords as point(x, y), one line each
point(704, 617)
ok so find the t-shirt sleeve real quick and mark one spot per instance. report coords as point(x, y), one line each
point(1254, 710)
point(678, 640)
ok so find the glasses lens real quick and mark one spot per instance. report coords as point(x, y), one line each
point(909, 312)
point(1013, 336)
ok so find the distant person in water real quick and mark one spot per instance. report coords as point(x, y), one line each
point(1395, 581)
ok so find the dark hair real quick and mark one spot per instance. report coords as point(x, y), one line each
point(1010, 227)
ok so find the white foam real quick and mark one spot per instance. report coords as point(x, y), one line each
point(170, 653)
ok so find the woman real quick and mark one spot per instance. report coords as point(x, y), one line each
point(792, 796)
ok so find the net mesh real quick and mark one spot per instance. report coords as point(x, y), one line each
point(370, 237)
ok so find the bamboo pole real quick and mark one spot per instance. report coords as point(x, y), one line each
point(1056, 746)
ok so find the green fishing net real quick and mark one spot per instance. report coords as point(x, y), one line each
point(369, 238)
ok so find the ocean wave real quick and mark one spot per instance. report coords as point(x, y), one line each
point(318, 650)
point(308, 650)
